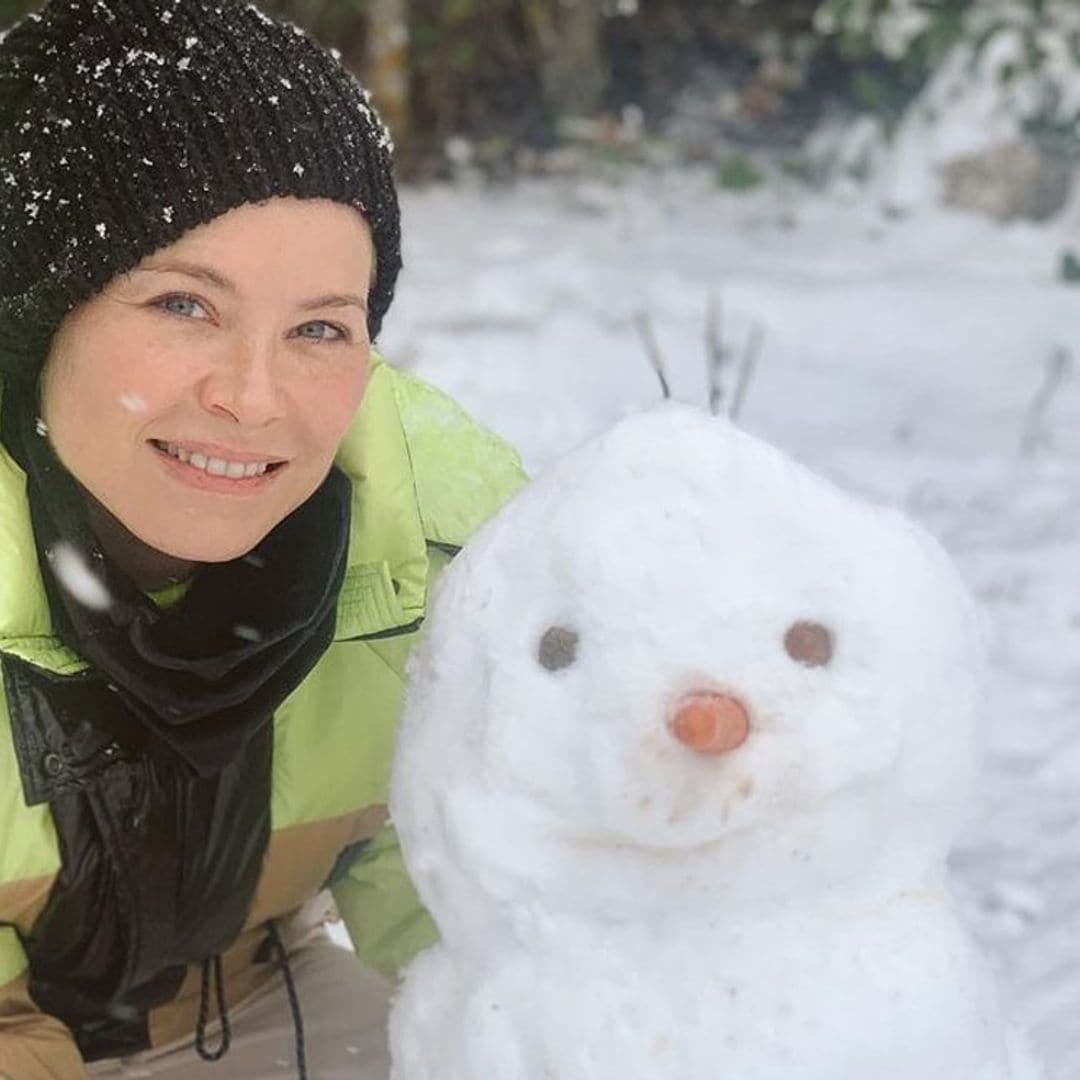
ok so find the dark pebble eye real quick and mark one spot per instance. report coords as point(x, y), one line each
point(809, 643)
point(558, 648)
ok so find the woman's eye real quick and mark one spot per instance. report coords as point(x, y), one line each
point(322, 331)
point(185, 306)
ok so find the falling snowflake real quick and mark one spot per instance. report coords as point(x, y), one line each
point(73, 573)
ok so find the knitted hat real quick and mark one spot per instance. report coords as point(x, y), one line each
point(125, 123)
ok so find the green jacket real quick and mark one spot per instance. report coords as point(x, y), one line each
point(424, 477)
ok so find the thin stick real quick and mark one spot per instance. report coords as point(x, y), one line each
point(715, 354)
point(1058, 366)
point(644, 327)
point(747, 369)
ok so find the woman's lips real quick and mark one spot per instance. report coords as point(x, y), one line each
point(193, 476)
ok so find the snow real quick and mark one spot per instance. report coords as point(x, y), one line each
point(589, 819)
point(74, 574)
point(591, 815)
point(900, 358)
point(985, 93)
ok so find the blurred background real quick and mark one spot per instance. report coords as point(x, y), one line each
point(751, 87)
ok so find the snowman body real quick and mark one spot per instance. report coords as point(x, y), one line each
point(621, 897)
point(847, 993)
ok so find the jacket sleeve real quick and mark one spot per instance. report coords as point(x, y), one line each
point(462, 475)
point(376, 898)
point(380, 908)
point(33, 1045)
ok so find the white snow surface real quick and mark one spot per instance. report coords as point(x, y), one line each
point(615, 903)
point(900, 359)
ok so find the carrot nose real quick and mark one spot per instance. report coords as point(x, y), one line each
point(710, 723)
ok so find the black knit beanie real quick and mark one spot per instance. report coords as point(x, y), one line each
point(125, 123)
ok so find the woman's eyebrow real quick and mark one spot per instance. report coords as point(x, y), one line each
point(195, 270)
point(335, 300)
point(206, 273)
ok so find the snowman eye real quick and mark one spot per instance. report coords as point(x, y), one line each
point(809, 643)
point(558, 648)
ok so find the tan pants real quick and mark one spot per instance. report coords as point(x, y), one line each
point(344, 1007)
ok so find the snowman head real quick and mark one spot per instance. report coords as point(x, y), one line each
point(680, 657)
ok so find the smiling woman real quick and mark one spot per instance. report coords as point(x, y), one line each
point(241, 409)
point(221, 514)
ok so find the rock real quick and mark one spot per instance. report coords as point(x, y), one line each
point(1012, 181)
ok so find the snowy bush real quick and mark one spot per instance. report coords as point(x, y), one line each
point(1024, 54)
point(984, 75)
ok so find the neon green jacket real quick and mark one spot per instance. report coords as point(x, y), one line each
point(424, 477)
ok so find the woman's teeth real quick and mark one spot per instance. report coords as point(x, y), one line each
point(235, 470)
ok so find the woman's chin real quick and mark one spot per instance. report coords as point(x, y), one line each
point(217, 551)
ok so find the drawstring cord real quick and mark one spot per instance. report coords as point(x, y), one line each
point(204, 1010)
point(294, 1000)
point(276, 946)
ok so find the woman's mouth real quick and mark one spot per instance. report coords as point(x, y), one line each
point(217, 466)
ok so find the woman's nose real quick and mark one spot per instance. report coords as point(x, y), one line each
point(710, 723)
point(244, 384)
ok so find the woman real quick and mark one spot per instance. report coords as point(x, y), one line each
point(220, 518)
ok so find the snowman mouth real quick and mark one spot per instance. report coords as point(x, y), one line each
point(629, 845)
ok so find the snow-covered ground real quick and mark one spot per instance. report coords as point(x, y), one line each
point(900, 358)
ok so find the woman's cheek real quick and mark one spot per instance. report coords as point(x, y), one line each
point(340, 398)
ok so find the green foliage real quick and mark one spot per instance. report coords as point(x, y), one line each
point(459, 11)
point(739, 173)
point(891, 46)
point(13, 10)
point(894, 46)
point(1070, 267)
point(333, 22)
point(930, 47)
point(475, 68)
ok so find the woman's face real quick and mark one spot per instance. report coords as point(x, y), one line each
point(201, 397)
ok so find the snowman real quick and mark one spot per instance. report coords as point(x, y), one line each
point(685, 746)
